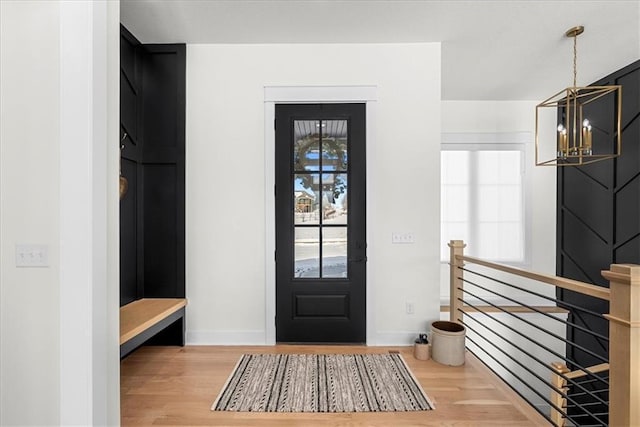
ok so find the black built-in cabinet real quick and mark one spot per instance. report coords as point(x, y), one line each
point(152, 213)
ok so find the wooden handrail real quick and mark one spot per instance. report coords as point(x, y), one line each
point(596, 369)
point(559, 380)
point(560, 282)
point(623, 295)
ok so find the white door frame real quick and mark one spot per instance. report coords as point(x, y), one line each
point(307, 95)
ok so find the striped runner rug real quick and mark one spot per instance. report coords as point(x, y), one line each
point(321, 383)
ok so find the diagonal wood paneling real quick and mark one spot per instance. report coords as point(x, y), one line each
point(599, 204)
point(585, 248)
point(627, 190)
point(630, 82)
point(628, 251)
point(598, 220)
point(581, 188)
point(630, 152)
point(627, 207)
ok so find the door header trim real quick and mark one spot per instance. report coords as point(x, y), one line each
point(319, 94)
point(311, 95)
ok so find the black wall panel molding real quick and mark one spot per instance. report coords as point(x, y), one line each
point(163, 170)
point(152, 213)
point(598, 214)
point(130, 107)
point(598, 205)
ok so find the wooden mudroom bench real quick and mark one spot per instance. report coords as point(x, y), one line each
point(160, 320)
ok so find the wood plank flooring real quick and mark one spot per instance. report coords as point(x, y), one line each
point(177, 385)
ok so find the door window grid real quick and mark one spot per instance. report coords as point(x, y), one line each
point(320, 168)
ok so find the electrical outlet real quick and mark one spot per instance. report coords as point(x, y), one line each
point(409, 307)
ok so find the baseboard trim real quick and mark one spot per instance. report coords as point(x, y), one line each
point(392, 338)
point(387, 338)
point(226, 338)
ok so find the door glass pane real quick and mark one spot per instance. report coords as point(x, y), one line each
point(306, 204)
point(320, 198)
point(334, 145)
point(306, 146)
point(307, 252)
point(334, 252)
point(334, 198)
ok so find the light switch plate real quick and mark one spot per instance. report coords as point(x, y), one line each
point(32, 255)
point(403, 238)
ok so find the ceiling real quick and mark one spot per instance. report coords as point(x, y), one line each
point(491, 50)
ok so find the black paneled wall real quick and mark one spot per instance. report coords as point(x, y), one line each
point(163, 176)
point(130, 136)
point(152, 223)
point(598, 214)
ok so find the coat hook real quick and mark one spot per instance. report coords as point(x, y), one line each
point(124, 183)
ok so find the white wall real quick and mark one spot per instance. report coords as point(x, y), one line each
point(528, 370)
point(509, 117)
point(29, 299)
point(226, 168)
point(59, 78)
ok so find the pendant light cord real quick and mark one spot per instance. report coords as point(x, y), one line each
point(575, 59)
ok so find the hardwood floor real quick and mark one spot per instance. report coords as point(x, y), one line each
point(176, 386)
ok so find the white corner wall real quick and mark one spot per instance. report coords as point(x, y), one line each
point(226, 171)
point(508, 117)
point(59, 110)
point(29, 151)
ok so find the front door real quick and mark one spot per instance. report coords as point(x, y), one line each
point(320, 223)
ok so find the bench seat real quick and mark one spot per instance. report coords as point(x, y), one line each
point(143, 319)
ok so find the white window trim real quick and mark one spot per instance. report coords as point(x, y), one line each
point(471, 141)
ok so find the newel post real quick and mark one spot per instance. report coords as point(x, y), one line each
point(559, 383)
point(624, 344)
point(455, 280)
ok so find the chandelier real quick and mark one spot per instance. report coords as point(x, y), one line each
point(580, 139)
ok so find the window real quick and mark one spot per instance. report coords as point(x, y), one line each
point(484, 197)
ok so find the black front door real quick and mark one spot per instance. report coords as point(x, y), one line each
point(320, 223)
